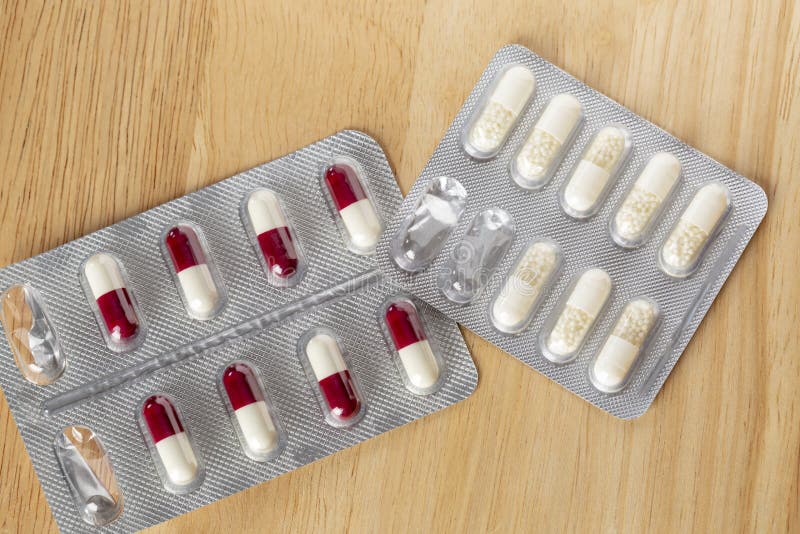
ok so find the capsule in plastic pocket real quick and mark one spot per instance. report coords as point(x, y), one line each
point(353, 208)
point(273, 238)
point(198, 281)
point(107, 290)
point(170, 445)
point(416, 358)
point(498, 111)
point(334, 384)
point(536, 161)
point(251, 411)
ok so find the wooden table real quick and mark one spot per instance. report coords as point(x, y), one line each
point(110, 108)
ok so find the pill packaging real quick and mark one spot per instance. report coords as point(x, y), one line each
point(157, 412)
point(551, 227)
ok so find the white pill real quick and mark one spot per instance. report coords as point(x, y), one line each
point(537, 159)
point(515, 303)
point(578, 315)
point(682, 251)
point(496, 117)
point(612, 366)
point(645, 201)
point(590, 181)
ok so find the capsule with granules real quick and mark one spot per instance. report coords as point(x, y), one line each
point(537, 160)
point(613, 366)
point(645, 201)
point(497, 112)
point(684, 248)
point(576, 317)
point(518, 298)
point(591, 179)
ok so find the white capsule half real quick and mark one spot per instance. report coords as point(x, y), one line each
point(645, 201)
point(578, 315)
point(537, 160)
point(684, 248)
point(178, 459)
point(515, 303)
point(612, 367)
point(257, 428)
point(498, 111)
point(587, 187)
point(265, 212)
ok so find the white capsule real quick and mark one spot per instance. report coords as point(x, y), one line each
point(682, 251)
point(536, 161)
point(578, 315)
point(587, 187)
point(645, 200)
point(612, 366)
point(493, 121)
point(517, 300)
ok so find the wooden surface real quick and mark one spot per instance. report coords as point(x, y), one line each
point(110, 108)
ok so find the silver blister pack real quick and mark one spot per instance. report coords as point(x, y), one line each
point(474, 176)
point(183, 357)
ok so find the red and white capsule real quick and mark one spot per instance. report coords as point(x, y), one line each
point(251, 414)
point(418, 362)
point(273, 236)
point(361, 223)
point(341, 399)
point(200, 290)
point(176, 460)
point(106, 285)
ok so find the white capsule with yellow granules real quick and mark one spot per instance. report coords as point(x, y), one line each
point(588, 185)
point(497, 112)
point(536, 161)
point(698, 224)
point(645, 201)
point(575, 317)
point(612, 368)
point(515, 303)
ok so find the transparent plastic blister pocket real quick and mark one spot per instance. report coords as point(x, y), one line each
point(204, 441)
point(617, 200)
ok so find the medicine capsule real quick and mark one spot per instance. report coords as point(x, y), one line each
point(357, 215)
point(172, 450)
point(418, 362)
point(498, 111)
point(645, 201)
point(117, 313)
point(341, 399)
point(199, 288)
point(682, 251)
point(256, 424)
point(515, 303)
point(537, 160)
point(273, 235)
point(578, 315)
point(586, 189)
point(613, 365)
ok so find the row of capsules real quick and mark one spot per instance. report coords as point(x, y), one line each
point(253, 416)
point(39, 356)
point(581, 196)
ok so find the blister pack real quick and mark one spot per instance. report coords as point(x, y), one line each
point(568, 231)
point(220, 340)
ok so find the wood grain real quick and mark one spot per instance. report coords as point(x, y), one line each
point(110, 108)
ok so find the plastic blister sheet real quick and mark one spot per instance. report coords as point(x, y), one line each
point(324, 298)
point(585, 244)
